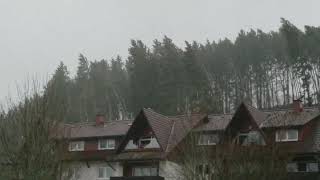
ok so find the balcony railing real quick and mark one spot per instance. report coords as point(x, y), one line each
point(138, 178)
point(304, 176)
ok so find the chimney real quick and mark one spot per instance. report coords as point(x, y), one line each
point(297, 105)
point(100, 120)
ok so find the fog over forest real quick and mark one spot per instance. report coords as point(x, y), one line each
point(36, 35)
point(265, 69)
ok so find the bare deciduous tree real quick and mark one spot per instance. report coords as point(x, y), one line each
point(30, 147)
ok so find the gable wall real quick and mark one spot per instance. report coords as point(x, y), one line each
point(312, 135)
point(85, 172)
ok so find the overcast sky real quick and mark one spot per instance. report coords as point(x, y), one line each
point(36, 34)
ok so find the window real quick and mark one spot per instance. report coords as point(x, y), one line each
point(73, 173)
point(106, 144)
point(145, 171)
point(242, 138)
point(144, 141)
point(208, 139)
point(252, 137)
point(153, 143)
point(287, 135)
point(204, 170)
point(104, 173)
point(76, 146)
point(302, 167)
point(292, 167)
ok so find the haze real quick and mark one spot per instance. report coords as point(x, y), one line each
point(36, 34)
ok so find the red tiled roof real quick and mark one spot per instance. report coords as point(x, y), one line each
point(288, 117)
point(264, 119)
point(258, 116)
point(216, 122)
point(161, 126)
point(110, 128)
point(183, 124)
point(171, 130)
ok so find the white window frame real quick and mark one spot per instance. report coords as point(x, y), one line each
point(208, 143)
point(79, 146)
point(108, 142)
point(145, 139)
point(287, 135)
point(105, 173)
point(245, 135)
point(74, 173)
point(293, 167)
point(149, 139)
point(145, 168)
point(204, 171)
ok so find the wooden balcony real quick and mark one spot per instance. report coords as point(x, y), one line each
point(138, 178)
point(304, 176)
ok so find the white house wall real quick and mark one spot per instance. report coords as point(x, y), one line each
point(85, 172)
point(169, 170)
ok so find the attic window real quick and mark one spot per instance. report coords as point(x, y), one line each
point(144, 141)
point(148, 142)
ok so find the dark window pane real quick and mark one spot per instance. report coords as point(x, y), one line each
point(302, 167)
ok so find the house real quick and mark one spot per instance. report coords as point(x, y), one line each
point(147, 146)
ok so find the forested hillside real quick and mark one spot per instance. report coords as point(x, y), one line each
point(267, 69)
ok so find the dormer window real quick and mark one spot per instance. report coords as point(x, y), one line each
point(105, 144)
point(285, 135)
point(143, 143)
point(76, 146)
point(148, 142)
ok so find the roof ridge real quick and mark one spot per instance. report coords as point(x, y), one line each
point(91, 123)
point(288, 109)
point(153, 111)
point(247, 104)
point(222, 114)
point(179, 115)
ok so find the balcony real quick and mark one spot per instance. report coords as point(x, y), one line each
point(138, 178)
point(303, 176)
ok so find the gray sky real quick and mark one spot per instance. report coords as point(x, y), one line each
point(36, 34)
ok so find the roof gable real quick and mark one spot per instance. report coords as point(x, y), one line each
point(246, 118)
point(287, 118)
point(183, 125)
point(160, 126)
point(258, 116)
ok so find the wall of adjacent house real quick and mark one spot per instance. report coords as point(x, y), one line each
point(84, 171)
point(311, 133)
point(169, 170)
